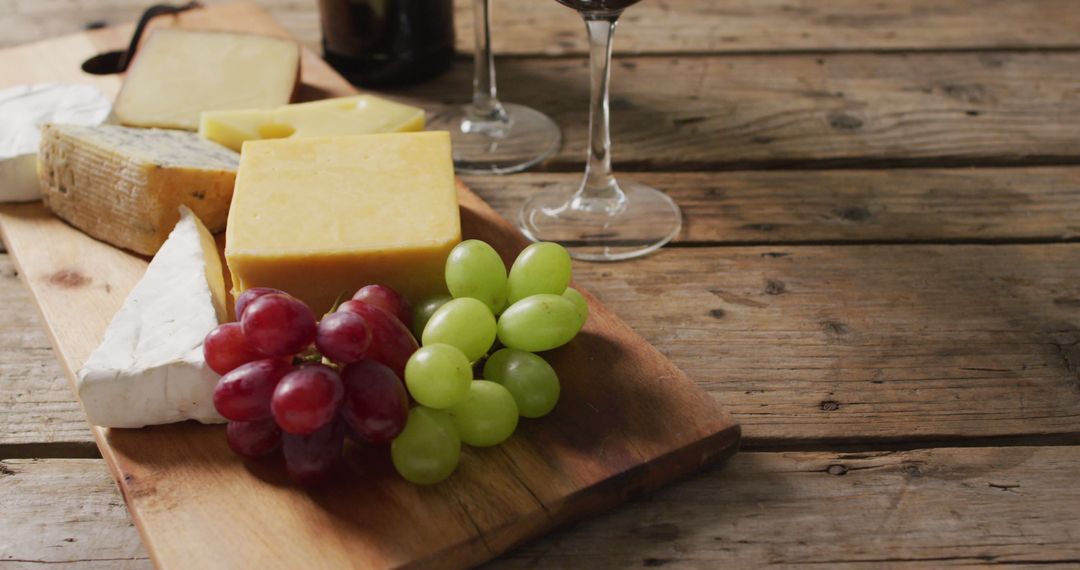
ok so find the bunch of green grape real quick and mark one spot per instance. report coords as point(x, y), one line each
point(531, 309)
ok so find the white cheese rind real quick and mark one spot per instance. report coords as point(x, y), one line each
point(150, 368)
point(23, 109)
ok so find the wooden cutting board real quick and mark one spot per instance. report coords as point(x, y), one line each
point(628, 421)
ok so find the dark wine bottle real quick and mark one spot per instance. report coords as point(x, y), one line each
point(378, 43)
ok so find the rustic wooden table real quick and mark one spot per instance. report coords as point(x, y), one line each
point(879, 275)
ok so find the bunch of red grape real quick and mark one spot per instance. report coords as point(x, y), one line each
point(277, 391)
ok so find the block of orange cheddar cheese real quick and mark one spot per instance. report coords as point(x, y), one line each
point(321, 217)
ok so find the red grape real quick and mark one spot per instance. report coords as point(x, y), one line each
point(278, 325)
point(226, 348)
point(244, 394)
point(307, 398)
point(311, 459)
point(253, 439)
point(376, 404)
point(391, 342)
point(250, 295)
point(343, 337)
point(386, 299)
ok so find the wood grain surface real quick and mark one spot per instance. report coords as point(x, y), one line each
point(628, 420)
point(825, 110)
point(755, 111)
point(812, 345)
point(790, 207)
point(38, 407)
point(65, 513)
point(863, 86)
point(530, 27)
point(922, 508)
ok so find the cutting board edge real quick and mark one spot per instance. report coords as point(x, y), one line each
point(582, 504)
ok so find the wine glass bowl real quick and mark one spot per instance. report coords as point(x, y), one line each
point(603, 219)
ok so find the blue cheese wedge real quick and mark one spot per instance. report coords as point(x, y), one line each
point(150, 367)
point(23, 109)
point(124, 185)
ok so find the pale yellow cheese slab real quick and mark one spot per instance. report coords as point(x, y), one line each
point(357, 115)
point(321, 217)
point(178, 74)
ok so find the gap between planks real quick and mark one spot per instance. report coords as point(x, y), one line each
point(89, 450)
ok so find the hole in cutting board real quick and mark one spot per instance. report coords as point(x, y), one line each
point(106, 63)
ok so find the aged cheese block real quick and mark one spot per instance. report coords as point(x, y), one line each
point(124, 186)
point(150, 367)
point(23, 109)
point(357, 115)
point(321, 217)
point(178, 74)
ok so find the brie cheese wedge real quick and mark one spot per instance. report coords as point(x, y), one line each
point(23, 109)
point(150, 367)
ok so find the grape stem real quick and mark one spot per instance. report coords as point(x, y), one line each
point(337, 303)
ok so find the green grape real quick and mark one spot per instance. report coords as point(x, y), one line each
point(428, 449)
point(575, 297)
point(438, 375)
point(465, 323)
point(539, 323)
point(530, 379)
point(487, 415)
point(541, 268)
point(423, 311)
point(475, 270)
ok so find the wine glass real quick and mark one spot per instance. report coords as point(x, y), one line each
point(603, 220)
point(488, 136)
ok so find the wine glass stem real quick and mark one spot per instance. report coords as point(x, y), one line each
point(599, 190)
point(485, 103)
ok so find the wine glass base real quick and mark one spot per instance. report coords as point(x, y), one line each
point(644, 221)
point(526, 138)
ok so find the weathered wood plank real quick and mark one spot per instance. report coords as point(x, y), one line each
point(920, 205)
point(38, 406)
point(674, 26)
point(709, 112)
point(527, 27)
point(810, 345)
point(65, 512)
point(925, 507)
